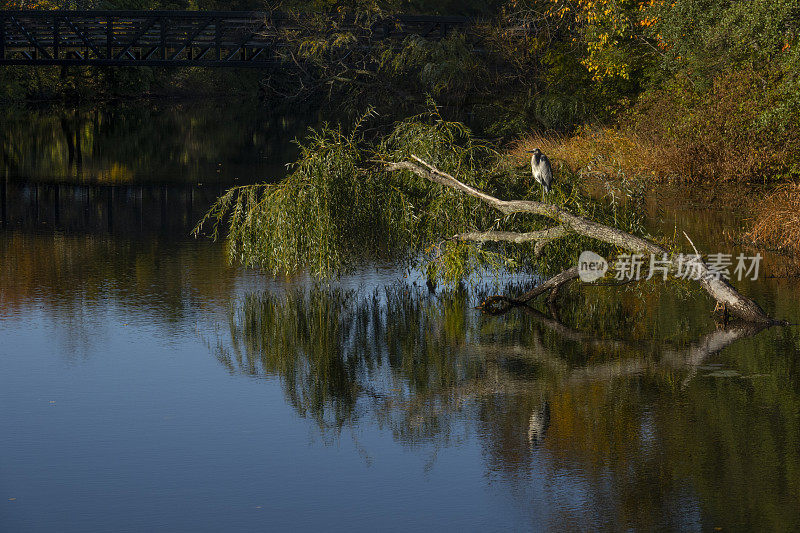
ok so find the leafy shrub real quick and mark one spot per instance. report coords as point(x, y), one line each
point(728, 132)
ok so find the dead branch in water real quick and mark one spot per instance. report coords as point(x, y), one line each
point(496, 305)
point(725, 295)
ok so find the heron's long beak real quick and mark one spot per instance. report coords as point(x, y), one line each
point(529, 151)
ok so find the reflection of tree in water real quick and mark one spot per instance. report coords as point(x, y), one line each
point(175, 143)
point(639, 424)
point(76, 282)
point(340, 354)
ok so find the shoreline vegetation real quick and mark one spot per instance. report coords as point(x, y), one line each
point(645, 91)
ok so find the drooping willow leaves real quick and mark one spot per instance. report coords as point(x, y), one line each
point(339, 207)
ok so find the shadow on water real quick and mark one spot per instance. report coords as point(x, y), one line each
point(133, 169)
point(126, 210)
point(211, 142)
point(646, 427)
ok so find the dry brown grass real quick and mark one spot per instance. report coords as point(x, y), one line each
point(607, 152)
point(612, 152)
point(777, 221)
point(729, 132)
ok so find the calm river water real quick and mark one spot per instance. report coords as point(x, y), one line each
point(145, 384)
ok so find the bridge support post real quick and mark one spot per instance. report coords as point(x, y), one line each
point(2, 37)
point(109, 37)
point(55, 37)
point(163, 23)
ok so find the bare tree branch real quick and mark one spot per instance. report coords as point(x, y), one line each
point(541, 238)
point(497, 305)
point(738, 305)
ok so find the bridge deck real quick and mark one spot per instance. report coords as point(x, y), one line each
point(173, 38)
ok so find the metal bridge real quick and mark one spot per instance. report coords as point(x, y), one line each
point(174, 38)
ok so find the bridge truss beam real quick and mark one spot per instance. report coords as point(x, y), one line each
point(175, 38)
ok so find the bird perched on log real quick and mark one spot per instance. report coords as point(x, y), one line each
point(541, 170)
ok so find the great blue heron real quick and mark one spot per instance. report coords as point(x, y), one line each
point(541, 170)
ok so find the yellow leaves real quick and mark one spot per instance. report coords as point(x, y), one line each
point(118, 173)
point(343, 39)
point(647, 21)
point(607, 27)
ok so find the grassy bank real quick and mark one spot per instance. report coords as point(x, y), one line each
point(730, 132)
point(761, 185)
point(777, 221)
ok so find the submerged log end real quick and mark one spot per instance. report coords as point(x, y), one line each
point(496, 305)
point(736, 305)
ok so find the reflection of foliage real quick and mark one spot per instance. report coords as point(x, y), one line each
point(64, 273)
point(334, 349)
point(422, 365)
point(120, 144)
point(299, 342)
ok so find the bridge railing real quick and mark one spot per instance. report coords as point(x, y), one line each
point(153, 38)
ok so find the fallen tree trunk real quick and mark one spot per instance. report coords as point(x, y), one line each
point(736, 304)
point(496, 305)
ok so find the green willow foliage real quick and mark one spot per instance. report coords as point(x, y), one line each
point(340, 207)
point(298, 223)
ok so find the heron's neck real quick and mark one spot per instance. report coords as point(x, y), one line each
point(535, 158)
